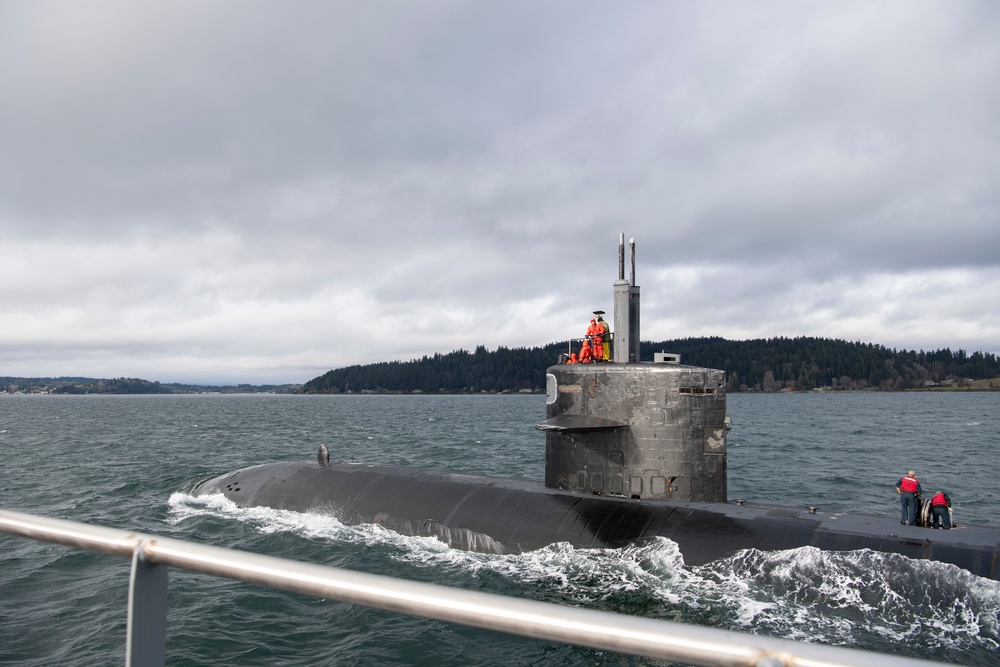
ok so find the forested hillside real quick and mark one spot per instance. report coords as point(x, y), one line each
point(750, 365)
point(503, 369)
point(809, 363)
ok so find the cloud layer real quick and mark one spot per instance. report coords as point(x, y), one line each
point(259, 192)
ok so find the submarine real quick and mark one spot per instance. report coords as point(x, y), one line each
point(634, 450)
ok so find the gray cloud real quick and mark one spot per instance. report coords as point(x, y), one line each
point(242, 191)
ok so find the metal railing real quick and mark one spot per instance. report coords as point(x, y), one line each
point(676, 642)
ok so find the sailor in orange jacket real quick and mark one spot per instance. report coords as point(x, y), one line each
point(594, 333)
point(585, 353)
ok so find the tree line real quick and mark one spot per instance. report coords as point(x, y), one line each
point(810, 363)
point(772, 364)
point(501, 370)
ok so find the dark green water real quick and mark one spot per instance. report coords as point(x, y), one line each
point(131, 461)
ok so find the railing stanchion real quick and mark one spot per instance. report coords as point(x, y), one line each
point(146, 644)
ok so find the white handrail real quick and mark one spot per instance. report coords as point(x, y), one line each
point(602, 630)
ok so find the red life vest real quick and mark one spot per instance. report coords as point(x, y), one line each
point(938, 500)
point(908, 484)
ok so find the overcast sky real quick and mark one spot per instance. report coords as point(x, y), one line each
point(259, 192)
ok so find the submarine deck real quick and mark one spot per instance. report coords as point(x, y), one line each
point(503, 515)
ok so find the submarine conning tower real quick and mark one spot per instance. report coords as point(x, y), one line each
point(644, 430)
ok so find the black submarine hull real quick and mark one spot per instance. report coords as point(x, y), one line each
point(501, 515)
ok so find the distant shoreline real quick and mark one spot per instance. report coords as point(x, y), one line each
point(242, 392)
point(135, 386)
point(125, 386)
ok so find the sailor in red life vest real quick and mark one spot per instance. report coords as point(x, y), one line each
point(939, 508)
point(908, 488)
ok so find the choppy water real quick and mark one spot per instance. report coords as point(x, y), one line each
point(131, 461)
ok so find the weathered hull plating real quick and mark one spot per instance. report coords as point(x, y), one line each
point(499, 515)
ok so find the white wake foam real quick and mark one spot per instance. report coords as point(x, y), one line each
point(805, 593)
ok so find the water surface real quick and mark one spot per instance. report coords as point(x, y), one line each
point(131, 462)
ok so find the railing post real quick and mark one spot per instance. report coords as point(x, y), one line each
point(147, 612)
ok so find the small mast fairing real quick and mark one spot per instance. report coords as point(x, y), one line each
point(626, 307)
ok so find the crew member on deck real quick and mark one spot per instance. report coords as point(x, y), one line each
point(605, 336)
point(940, 505)
point(908, 489)
point(594, 333)
point(585, 355)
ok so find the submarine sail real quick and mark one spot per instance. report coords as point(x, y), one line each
point(671, 443)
